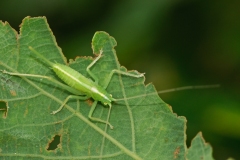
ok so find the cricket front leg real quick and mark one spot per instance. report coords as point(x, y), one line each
point(91, 64)
point(97, 119)
point(108, 79)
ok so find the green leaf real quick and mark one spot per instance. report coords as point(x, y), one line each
point(144, 126)
point(199, 149)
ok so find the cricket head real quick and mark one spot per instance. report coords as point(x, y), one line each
point(107, 100)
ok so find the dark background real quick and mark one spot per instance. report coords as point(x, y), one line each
point(176, 43)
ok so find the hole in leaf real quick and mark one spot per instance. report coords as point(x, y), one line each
point(54, 143)
point(3, 109)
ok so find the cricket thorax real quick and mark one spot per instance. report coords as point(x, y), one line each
point(98, 93)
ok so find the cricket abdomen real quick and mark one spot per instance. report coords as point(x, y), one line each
point(72, 78)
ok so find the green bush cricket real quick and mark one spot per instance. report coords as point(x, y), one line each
point(78, 85)
point(83, 88)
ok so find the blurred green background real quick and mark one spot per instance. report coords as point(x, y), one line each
point(176, 43)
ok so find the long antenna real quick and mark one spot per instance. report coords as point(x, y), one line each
point(188, 88)
point(173, 90)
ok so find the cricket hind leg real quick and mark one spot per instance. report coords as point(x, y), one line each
point(56, 82)
point(78, 94)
